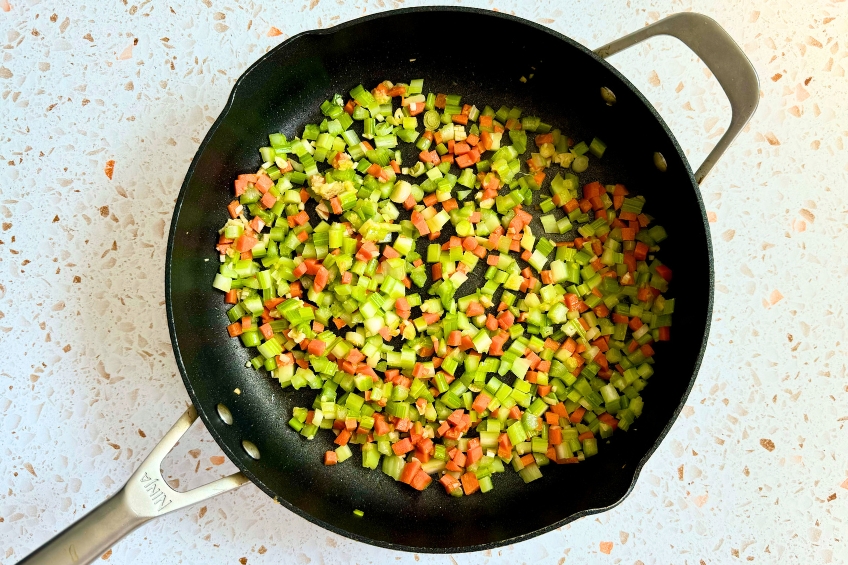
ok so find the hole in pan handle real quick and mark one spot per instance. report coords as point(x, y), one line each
point(723, 57)
point(145, 496)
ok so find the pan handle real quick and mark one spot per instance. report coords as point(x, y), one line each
point(145, 496)
point(723, 57)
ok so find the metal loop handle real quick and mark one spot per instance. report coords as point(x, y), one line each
point(145, 496)
point(723, 57)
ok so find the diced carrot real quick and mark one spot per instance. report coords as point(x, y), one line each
point(331, 458)
point(450, 204)
point(374, 170)
point(593, 189)
point(402, 447)
point(491, 323)
point(486, 140)
point(431, 317)
point(617, 202)
point(235, 208)
point(321, 278)
point(301, 218)
point(421, 480)
point(234, 329)
point(245, 243)
point(506, 319)
point(489, 193)
point(533, 360)
point(268, 200)
point(664, 272)
point(256, 224)
point(300, 270)
point(577, 415)
point(504, 446)
point(641, 251)
point(461, 148)
point(474, 455)
point(497, 344)
point(539, 177)
point(263, 183)
point(481, 402)
point(397, 90)
point(560, 410)
point(609, 420)
point(585, 436)
point(470, 243)
point(367, 251)
point(342, 438)
point(450, 483)
point(456, 417)
point(635, 323)
point(316, 347)
point(401, 304)
point(630, 261)
point(470, 484)
point(409, 203)
point(464, 161)
point(267, 331)
point(409, 471)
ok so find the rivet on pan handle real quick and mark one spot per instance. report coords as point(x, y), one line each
point(722, 56)
point(145, 496)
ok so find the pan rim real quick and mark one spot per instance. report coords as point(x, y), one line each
point(208, 418)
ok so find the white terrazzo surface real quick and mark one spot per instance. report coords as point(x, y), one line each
point(754, 470)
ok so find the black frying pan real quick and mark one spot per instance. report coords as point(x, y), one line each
point(282, 92)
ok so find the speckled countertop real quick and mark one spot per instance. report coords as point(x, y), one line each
point(755, 469)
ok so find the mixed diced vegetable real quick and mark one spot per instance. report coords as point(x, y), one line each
point(445, 357)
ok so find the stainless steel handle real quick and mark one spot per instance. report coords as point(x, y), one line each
point(723, 57)
point(145, 496)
